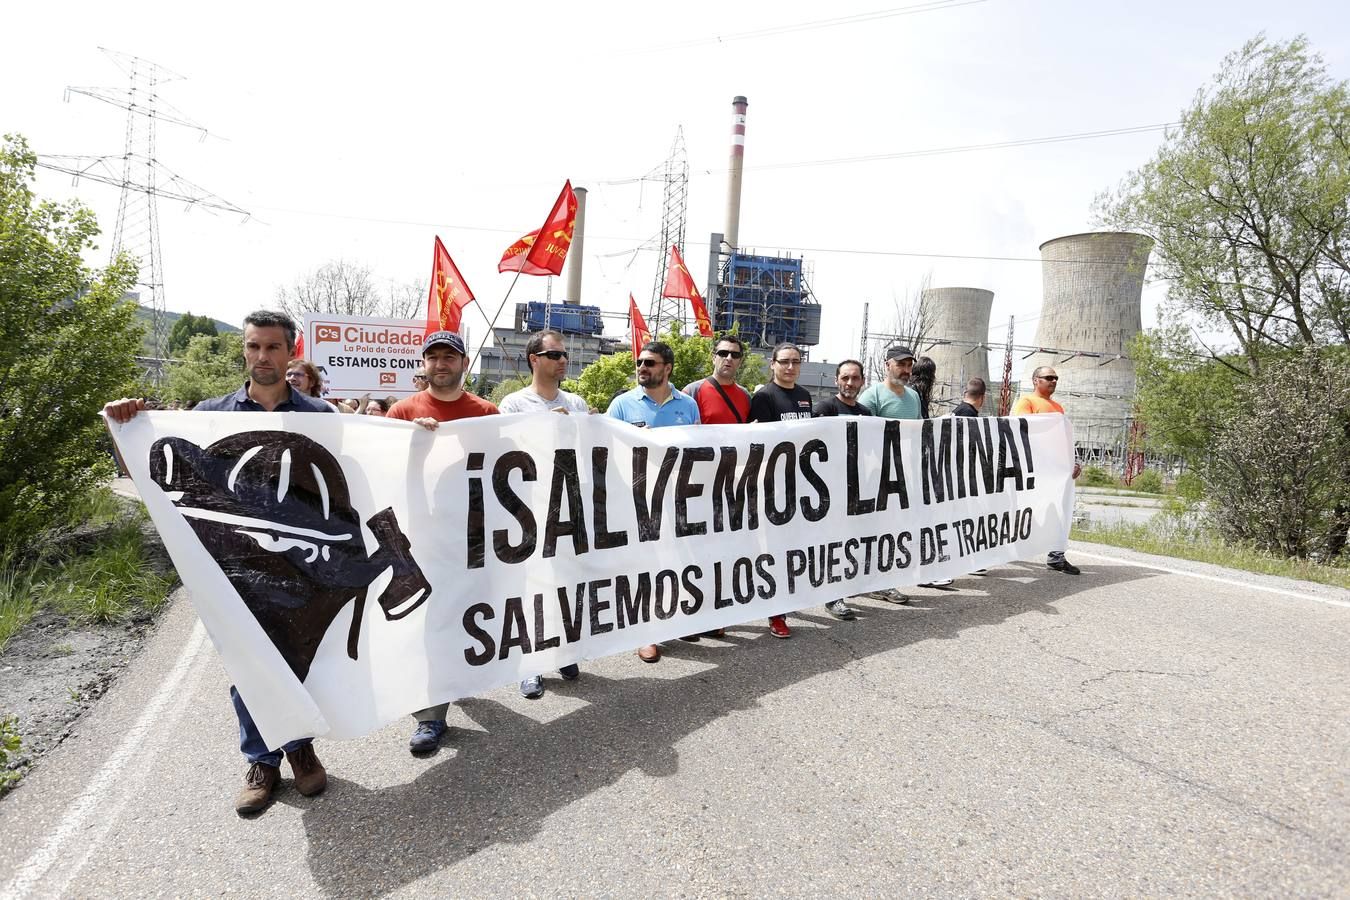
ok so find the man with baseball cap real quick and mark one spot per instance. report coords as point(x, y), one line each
point(893, 398)
point(445, 363)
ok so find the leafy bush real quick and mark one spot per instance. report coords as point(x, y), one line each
point(1149, 481)
point(68, 341)
point(1277, 476)
point(9, 748)
point(509, 386)
point(1095, 476)
point(1190, 486)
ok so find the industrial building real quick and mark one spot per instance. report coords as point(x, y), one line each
point(956, 323)
point(1092, 287)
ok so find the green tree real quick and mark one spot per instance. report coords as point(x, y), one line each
point(67, 345)
point(184, 327)
point(210, 367)
point(693, 360)
point(1185, 396)
point(1248, 202)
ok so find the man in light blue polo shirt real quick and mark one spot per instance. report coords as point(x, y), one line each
point(654, 404)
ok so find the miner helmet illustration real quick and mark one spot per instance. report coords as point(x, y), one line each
point(272, 509)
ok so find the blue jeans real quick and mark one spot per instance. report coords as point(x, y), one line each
point(251, 742)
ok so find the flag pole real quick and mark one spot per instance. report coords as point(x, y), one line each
point(492, 323)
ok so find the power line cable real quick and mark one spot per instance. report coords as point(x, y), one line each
point(772, 31)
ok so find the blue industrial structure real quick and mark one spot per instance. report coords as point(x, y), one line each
point(766, 299)
point(567, 318)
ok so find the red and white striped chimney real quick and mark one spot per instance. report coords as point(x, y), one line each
point(731, 236)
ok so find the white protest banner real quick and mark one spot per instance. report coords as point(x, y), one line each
point(353, 570)
point(359, 355)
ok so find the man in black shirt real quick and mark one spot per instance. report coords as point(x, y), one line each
point(974, 398)
point(781, 400)
point(848, 377)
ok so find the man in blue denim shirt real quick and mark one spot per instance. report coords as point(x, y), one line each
point(269, 344)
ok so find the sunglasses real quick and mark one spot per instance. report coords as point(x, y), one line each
point(1049, 377)
point(295, 373)
point(788, 362)
point(648, 363)
point(554, 355)
point(734, 354)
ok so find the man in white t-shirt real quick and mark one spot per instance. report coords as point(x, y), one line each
point(546, 355)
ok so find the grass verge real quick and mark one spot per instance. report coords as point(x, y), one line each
point(1175, 537)
point(96, 571)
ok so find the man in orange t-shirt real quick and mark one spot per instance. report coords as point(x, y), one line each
point(1044, 380)
point(444, 400)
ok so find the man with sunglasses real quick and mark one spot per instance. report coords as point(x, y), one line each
point(1044, 380)
point(654, 404)
point(546, 355)
point(721, 401)
point(782, 400)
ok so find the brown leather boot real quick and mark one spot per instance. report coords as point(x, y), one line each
point(310, 776)
point(259, 783)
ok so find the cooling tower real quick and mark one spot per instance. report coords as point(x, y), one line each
point(959, 315)
point(1092, 284)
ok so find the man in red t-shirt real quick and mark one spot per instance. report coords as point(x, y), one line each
point(721, 401)
point(444, 400)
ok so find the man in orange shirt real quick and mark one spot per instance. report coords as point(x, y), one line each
point(1044, 380)
point(446, 363)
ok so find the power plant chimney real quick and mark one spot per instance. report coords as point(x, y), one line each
point(575, 256)
point(732, 233)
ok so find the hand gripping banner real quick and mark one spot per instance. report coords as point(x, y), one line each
point(353, 570)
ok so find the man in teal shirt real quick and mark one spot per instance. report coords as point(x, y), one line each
point(894, 398)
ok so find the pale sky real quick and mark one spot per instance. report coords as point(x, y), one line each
point(359, 132)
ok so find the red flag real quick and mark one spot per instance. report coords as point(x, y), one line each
point(448, 295)
point(299, 346)
point(542, 251)
point(641, 336)
point(679, 283)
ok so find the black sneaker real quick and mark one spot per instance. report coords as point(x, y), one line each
point(839, 609)
point(427, 737)
point(1065, 566)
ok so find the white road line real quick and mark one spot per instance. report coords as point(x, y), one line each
point(1229, 581)
point(37, 865)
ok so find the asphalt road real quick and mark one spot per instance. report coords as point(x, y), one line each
point(1129, 732)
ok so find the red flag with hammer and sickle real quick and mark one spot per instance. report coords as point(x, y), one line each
point(679, 283)
point(641, 336)
point(448, 295)
point(542, 252)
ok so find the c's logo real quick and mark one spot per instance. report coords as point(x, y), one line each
point(324, 333)
point(388, 378)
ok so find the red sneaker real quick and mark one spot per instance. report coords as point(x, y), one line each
point(778, 627)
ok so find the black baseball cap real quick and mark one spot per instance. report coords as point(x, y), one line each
point(899, 353)
point(449, 338)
